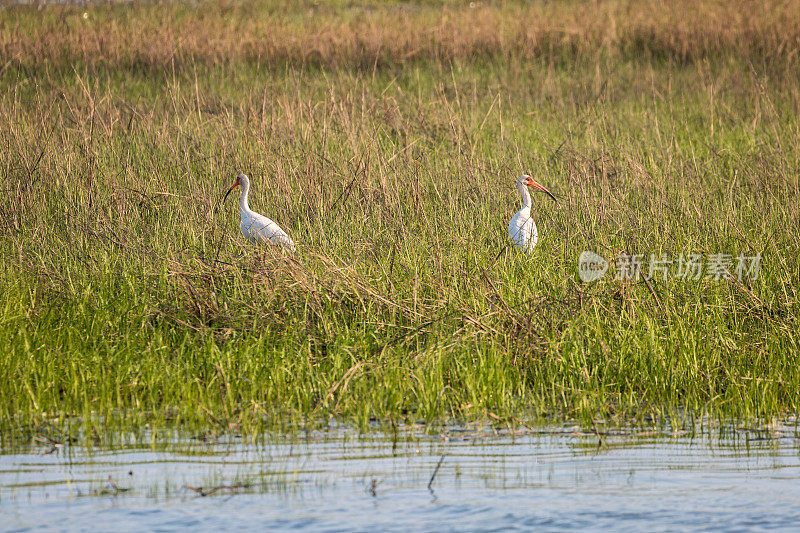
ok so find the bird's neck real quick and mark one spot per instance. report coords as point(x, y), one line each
point(244, 206)
point(526, 195)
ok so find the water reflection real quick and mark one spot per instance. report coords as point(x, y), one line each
point(465, 478)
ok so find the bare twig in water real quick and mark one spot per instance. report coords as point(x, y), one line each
point(208, 492)
point(600, 441)
point(435, 471)
point(54, 444)
point(112, 488)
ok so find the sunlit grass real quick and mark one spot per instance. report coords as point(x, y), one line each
point(128, 299)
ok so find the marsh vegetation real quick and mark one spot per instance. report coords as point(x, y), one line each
point(386, 138)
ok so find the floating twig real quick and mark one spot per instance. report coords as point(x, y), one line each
point(208, 492)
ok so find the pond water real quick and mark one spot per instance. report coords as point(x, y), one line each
point(552, 478)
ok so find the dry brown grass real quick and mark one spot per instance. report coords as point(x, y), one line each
point(158, 35)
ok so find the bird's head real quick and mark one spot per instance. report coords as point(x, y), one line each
point(242, 180)
point(528, 181)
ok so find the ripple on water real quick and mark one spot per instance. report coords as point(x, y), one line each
point(550, 479)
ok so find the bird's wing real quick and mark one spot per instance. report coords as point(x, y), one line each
point(520, 229)
point(516, 228)
point(263, 229)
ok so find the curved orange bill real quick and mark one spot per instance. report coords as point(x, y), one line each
point(229, 190)
point(542, 188)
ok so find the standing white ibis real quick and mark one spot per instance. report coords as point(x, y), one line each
point(522, 228)
point(255, 227)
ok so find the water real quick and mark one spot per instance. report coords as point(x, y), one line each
point(553, 479)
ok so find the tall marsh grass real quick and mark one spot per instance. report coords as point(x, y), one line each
point(386, 139)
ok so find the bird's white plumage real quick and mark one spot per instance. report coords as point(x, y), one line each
point(258, 228)
point(522, 228)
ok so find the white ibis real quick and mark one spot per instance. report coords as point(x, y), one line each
point(522, 228)
point(258, 228)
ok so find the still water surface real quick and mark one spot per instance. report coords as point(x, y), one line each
point(551, 479)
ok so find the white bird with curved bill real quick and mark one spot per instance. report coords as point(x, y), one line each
point(255, 227)
point(522, 228)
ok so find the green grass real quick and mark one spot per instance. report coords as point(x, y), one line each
point(404, 301)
